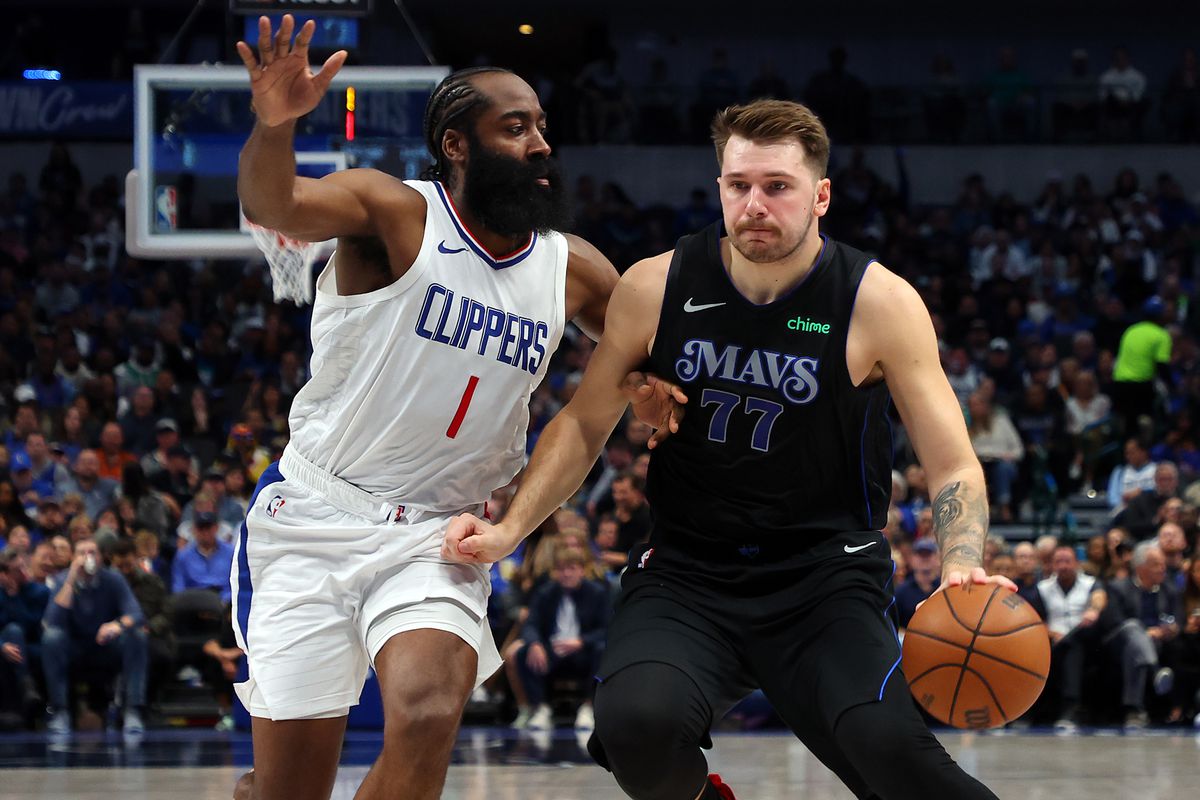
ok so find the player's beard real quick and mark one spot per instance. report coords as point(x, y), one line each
point(503, 192)
point(769, 252)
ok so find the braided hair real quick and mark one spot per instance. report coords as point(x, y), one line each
point(453, 102)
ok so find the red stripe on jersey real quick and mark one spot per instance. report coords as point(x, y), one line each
point(456, 423)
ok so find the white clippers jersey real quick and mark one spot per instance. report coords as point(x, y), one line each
point(420, 390)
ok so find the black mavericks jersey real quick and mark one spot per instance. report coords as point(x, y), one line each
point(777, 445)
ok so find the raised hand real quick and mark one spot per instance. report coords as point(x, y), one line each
point(282, 85)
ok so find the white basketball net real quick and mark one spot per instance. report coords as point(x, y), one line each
point(291, 264)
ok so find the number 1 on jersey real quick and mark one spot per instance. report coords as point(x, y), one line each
point(456, 423)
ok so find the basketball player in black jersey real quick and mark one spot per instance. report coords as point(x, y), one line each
point(766, 566)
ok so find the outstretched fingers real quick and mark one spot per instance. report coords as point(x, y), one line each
point(303, 38)
point(266, 52)
point(330, 68)
point(283, 39)
point(248, 57)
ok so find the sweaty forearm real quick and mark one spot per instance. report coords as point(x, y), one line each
point(267, 173)
point(960, 519)
point(565, 452)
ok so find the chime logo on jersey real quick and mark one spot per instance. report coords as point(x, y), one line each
point(795, 377)
point(807, 325)
point(463, 322)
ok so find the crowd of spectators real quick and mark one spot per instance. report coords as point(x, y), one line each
point(602, 93)
point(142, 400)
point(1093, 99)
point(1068, 328)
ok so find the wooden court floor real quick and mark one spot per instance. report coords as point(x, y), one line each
point(493, 764)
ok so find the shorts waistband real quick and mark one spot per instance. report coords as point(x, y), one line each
point(348, 497)
point(342, 494)
point(761, 550)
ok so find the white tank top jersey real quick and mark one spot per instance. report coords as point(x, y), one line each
point(420, 390)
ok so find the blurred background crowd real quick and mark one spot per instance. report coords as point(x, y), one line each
point(141, 400)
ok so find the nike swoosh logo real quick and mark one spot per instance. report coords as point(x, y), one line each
point(850, 549)
point(443, 249)
point(689, 307)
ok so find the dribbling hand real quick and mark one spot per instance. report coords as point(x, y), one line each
point(977, 576)
point(282, 85)
point(470, 540)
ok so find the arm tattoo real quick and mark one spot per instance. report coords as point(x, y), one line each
point(960, 525)
point(960, 553)
point(948, 506)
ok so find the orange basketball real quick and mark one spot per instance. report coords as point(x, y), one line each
point(976, 656)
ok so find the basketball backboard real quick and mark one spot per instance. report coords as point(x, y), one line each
point(191, 122)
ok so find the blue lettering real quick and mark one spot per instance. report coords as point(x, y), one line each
point(454, 320)
point(464, 303)
point(492, 328)
point(510, 336)
point(539, 347)
point(524, 339)
point(474, 322)
point(440, 335)
point(422, 319)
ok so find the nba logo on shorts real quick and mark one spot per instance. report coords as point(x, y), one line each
point(398, 515)
point(645, 557)
point(277, 502)
point(165, 208)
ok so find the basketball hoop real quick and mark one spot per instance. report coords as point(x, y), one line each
point(290, 261)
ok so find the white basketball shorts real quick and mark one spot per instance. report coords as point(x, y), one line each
point(324, 574)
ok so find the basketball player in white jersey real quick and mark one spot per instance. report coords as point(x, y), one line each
point(432, 324)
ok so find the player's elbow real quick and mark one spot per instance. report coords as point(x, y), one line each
point(250, 212)
point(274, 215)
point(966, 470)
point(253, 209)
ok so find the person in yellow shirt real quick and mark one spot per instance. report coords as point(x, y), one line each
point(1143, 354)
point(254, 458)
